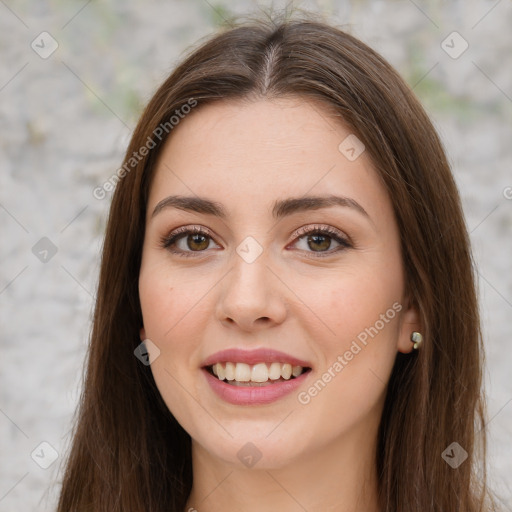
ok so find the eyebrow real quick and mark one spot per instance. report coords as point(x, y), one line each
point(281, 208)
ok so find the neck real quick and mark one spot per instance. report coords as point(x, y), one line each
point(340, 477)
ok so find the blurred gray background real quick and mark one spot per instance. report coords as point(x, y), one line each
point(74, 76)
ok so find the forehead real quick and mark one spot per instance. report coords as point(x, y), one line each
point(246, 154)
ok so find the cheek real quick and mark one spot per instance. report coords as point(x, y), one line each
point(167, 312)
point(168, 301)
point(175, 313)
point(358, 350)
point(358, 303)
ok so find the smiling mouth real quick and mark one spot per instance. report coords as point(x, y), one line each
point(260, 374)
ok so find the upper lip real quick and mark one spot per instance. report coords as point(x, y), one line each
point(261, 355)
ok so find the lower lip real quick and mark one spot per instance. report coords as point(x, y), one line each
point(257, 395)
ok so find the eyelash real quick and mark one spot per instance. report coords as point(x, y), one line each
point(168, 241)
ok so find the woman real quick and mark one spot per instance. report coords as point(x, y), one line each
point(286, 316)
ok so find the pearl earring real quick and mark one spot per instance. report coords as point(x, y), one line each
point(417, 339)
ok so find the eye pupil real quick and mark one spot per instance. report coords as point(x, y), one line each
point(195, 238)
point(316, 239)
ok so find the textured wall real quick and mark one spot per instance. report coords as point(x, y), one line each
point(69, 99)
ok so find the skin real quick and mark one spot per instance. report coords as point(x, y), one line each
point(317, 456)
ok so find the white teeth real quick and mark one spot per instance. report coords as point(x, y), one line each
point(220, 372)
point(230, 371)
point(275, 371)
point(286, 371)
point(242, 372)
point(258, 373)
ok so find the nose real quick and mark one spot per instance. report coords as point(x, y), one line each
point(251, 296)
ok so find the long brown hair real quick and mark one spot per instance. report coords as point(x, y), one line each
point(128, 452)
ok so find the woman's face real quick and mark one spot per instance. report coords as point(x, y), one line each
point(279, 277)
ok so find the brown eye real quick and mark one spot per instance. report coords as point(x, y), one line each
point(186, 241)
point(318, 240)
point(196, 242)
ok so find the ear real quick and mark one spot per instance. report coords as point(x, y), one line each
point(410, 322)
point(142, 334)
